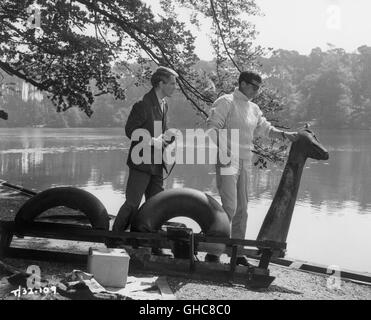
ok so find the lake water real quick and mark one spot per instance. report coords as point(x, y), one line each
point(331, 223)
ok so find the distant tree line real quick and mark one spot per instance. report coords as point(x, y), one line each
point(329, 88)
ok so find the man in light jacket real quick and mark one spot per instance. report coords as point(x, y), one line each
point(236, 111)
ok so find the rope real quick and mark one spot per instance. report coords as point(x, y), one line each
point(171, 169)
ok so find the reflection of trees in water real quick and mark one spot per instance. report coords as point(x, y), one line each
point(192, 176)
point(346, 179)
point(264, 182)
point(69, 168)
point(346, 176)
point(363, 186)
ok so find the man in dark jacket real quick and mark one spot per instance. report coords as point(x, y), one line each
point(146, 178)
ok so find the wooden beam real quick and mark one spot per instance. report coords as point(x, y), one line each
point(45, 255)
point(86, 233)
point(242, 242)
point(165, 290)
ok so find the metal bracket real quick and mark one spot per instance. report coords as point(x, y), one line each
point(258, 278)
point(6, 238)
point(183, 244)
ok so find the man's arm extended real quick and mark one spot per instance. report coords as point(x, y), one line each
point(283, 135)
point(265, 128)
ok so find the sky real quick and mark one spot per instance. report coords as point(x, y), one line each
point(301, 25)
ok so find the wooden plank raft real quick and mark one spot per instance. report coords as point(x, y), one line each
point(252, 277)
point(142, 258)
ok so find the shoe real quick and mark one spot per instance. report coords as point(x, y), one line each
point(242, 261)
point(212, 258)
point(160, 252)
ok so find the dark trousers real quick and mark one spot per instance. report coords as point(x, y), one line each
point(139, 183)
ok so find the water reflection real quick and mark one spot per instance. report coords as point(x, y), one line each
point(333, 199)
point(41, 158)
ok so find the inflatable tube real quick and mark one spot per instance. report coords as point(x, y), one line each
point(185, 202)
point(73, 198)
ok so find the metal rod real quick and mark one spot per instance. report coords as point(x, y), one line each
point(191, 252)
point(27, 192)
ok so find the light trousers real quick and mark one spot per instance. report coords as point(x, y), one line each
point(232, 184)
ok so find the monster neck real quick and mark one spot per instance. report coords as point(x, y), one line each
point(277, 221)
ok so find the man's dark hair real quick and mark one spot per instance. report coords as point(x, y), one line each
point(249, 77)
point(162, 74)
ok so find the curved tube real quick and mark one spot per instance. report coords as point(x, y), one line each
point(70, 197)
point(185, 202)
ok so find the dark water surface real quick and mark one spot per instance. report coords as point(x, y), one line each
point(331, 222)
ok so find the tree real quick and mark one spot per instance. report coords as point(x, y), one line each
point(329, 97)
point(285, 71)
point(60, 58)
point(5, 86)
point(361, 113)
point(329, 88)
point(47, 43)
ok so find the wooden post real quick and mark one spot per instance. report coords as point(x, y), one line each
point(191, 251)
point(6, 238)
point(265, 258)
point(233, 261)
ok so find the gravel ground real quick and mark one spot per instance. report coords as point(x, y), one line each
point(289, 284)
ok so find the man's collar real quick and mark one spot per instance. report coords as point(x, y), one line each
point(158, 98)
point(239, 95)
point(152, 96)
point(157, 101)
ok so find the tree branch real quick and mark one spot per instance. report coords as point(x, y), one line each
point(221, 35)
point(192, 101)
point(11, 71)
point(125, 26)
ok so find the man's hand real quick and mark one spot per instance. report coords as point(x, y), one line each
point(171, 135)
point(157, 142)
point(231, 168)
point(3, 115)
